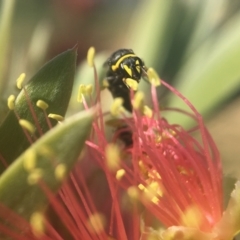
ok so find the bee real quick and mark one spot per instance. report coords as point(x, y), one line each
point(123, 64)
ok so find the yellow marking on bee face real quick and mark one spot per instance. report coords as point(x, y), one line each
point(128, 70)
point(116, 66)
point(138, 69)
point(137, 66)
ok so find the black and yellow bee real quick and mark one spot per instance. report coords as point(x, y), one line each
point(123, 64)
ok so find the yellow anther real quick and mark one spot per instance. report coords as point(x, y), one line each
point(120, 173)
point(133, 192)
point(117, 107)
point(90, 56)
point(29, 161)
point(151, 197)
point(20, 80)
point(81, 91)
point(34, 176)
point(27, 125)
point(153, 77)
point(79, 96)
point(96, 222)
point(57, 117)
point(105, 83)
point(89, 89)
point(141, 186)
point(147, 111)
point(42, 104)
point(155, 187)
point(152, 192)
point(153, 174)
point(131, 83)
point(60, 172)
point(11, 102)
point(84, 90)
point(192, 217)
point(37, 223)
point(138, 101)
point(112, 153)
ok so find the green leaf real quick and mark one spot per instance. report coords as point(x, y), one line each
point(212, 72)
point(7, 9)
point(52, 84)
point(61, 146)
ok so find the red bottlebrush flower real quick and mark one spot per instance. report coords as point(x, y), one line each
point(150, 173)
point(181, 177)
point(177, 178)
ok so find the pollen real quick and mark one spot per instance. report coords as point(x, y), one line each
point(27, 125)
point(96, 222)
point(147, 111)
point(89, 89)
point(152, 192)
point(112, 157)
point(35, 176)
point(81, 92)
point(60, 172)
point(56, 117)
point(20, 80)
point(11, 102)
point(84, 90)
point(192, 217)
point(91, 56)
point(153, 77)
point(133, 192)
point(29, 161)
point(153, 174)
point(37, 223)
point(141, 186)
point(120, 173)
point(131, 83)
point(42, 104)
point(138, 101)
point(117, 107)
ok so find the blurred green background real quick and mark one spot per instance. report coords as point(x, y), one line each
point(193, 44)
